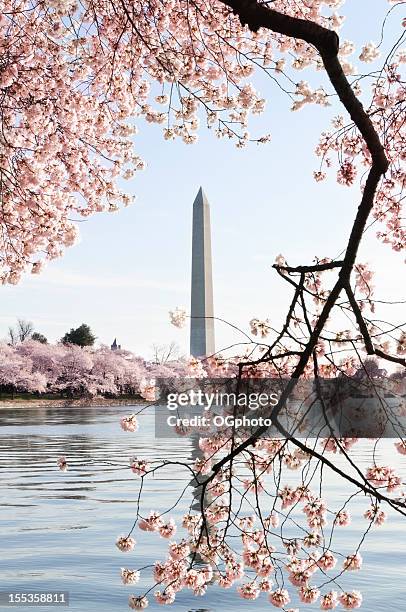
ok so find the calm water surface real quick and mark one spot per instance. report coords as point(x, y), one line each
point(58, 529)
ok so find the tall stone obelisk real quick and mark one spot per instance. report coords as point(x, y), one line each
point(202, 313)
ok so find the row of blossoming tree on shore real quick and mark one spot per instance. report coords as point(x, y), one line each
point(73, 371)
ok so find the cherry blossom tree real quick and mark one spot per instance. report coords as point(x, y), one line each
point(75, 74)
point(58, 369)
point(18, 374)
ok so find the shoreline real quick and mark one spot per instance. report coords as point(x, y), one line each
point(100, 402)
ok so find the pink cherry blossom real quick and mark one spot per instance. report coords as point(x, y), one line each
point(350, 600)
point(178, 317)
point(308, 594)
point(401, 447)
point(353, 562)
point(265, 585)
point(138, 466)
point(152, 523)
point(342, 519)
point(129, 423)
point(249, 591)
point(125, 543)
point(148, 390)
point(225, 582)
point(129, 576)
point(137, 603)
point(327, 560)
point(179, 550)
point(167, 530)
point(375, 515)
point(329, 601)
point(279, 598)
point(260, 328)
point(166, 597)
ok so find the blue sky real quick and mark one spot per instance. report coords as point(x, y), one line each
point(130, 268)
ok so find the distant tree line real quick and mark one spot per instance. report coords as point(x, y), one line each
point(75, 368)
point(24, 330)
point(70, 370)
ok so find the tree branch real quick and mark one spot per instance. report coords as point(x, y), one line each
point(255, 16)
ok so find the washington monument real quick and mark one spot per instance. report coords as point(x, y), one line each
point(201, 310)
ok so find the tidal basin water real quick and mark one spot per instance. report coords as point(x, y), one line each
point(58, 529)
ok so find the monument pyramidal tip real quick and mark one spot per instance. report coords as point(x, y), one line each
point(201, 310)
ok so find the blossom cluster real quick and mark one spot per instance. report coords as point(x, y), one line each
point(74, 77)
point(249, 551)
point(343, 146)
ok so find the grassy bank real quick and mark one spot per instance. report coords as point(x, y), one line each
point(27, 400)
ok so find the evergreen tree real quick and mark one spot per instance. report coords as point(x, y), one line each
point(82, 336)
